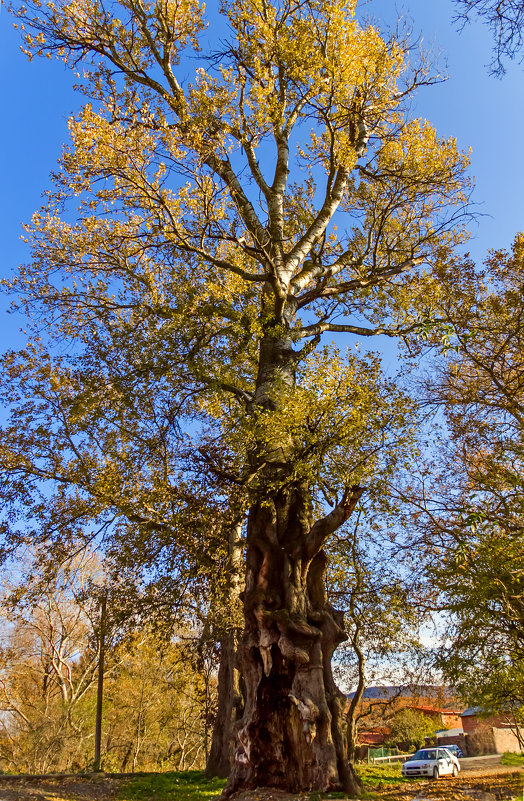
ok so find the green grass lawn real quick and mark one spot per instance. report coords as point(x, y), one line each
point(190, 785)
point(381, 774)
point(512, 759)
point(193, 786)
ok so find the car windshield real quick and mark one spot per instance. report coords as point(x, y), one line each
point(426, 753)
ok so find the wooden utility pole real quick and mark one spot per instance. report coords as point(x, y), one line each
point(100, 687)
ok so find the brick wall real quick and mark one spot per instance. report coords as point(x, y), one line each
point(491, 740)
point(481, 741)
point(472, 722)
point(506, 740)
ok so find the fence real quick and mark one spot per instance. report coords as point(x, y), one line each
point(377, 753)
point(385, 755)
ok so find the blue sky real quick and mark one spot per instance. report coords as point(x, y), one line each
point(479, 110)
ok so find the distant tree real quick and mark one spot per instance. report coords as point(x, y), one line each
point(155, 705)
point(482, 581)
point(472, 507)
point(377, 581)
point(94, 453)
point(48, 670)
point(409, 728)
point(159, 689)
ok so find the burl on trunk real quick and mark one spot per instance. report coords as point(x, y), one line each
point(290, 734)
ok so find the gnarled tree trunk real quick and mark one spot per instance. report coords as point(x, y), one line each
point(290, 734)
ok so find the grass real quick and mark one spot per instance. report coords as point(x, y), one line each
point(381, 774)
point(190, 785)
point(193, 785)
point(512, 759)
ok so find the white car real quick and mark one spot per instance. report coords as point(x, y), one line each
point(431, 762)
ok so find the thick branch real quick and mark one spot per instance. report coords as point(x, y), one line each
point(276, 204)
point(328, 524)
point(317, 329)
point(224, 265)
point(223, 168)
point(325, 273)
point(255, 169)
point(321, 221)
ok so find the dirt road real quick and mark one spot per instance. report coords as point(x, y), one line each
point(19, 788)
point(480, 762)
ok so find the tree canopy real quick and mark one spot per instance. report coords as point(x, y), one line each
point(474, 516)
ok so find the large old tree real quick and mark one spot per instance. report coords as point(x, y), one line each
point(226, 218)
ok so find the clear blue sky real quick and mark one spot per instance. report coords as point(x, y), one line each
point(480, 111)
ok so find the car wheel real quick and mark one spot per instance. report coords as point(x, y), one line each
point(455, 772)
point(435, 772)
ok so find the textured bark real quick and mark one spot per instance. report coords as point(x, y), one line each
point(290, 734)
point(228, 710)
point(100, 686)
point(229, 707)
